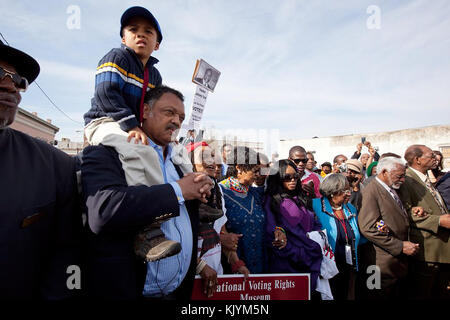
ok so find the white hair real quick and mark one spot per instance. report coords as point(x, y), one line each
point(389, 164)
point(333, 183)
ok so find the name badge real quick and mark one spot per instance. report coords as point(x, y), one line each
point(348, 255)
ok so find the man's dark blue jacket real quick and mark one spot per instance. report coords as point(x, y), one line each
point(116, 213)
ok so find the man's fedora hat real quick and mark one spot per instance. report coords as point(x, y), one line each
point(24, 64)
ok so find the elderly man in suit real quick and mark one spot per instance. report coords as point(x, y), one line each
point(430, 270)
point(390, 248)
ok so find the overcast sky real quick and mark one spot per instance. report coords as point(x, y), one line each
point(305, 68)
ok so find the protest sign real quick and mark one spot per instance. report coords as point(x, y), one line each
point(198, 106)
point(292, 286)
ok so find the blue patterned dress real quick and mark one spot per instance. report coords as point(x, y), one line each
point(246, 216)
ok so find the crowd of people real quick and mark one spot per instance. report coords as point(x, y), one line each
point(142, 214)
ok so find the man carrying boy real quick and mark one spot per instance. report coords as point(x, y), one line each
point(117, 210)
point(123, 77)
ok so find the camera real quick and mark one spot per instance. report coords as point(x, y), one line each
point(342, 167)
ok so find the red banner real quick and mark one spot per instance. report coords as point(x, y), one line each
point(292, 286)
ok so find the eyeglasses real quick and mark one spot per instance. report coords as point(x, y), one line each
point(347, 192)
point(289, 177)
point(21, 83)
point(297, 161)
point(431, 156)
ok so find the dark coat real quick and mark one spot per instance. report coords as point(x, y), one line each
point(40, 219)
point(116, 212)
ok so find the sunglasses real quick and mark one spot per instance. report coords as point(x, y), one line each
point(289, 177)
point(297, 161)
point(21, 83)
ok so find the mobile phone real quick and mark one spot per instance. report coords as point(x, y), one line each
point(363, 140)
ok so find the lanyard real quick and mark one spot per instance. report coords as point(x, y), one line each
point(144, 91)
point(335, 216)
point(343, 224)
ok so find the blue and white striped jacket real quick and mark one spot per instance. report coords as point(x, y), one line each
point(118, 87)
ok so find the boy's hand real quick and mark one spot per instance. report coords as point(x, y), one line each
point(138, 135)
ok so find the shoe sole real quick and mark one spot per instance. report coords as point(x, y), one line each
point(171, 249)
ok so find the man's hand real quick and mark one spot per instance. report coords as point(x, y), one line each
point(410, 248)
point(138, 135)
point(444, 221)
point(418, 211)
point(196, 185)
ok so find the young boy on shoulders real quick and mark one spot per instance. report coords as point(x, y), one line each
point(123, 77)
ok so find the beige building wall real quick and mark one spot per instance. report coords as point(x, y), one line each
point(34, 126)
point(70, 147)
point(326, 148)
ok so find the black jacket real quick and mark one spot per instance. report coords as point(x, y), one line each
point(40, 219)
point(116, 212)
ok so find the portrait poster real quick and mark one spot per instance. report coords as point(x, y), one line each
point(205, 75)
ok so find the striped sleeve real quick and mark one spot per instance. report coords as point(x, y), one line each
point(110, 81)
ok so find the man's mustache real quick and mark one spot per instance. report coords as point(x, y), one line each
point(172, 127)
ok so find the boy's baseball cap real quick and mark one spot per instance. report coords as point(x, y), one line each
point(140, 12)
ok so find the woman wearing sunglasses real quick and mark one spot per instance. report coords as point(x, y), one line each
point(339, 218)
point(289, 249)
